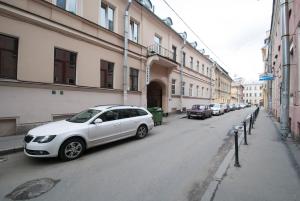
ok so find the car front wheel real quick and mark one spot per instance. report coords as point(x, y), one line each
point(71, 149)
point(141, 132)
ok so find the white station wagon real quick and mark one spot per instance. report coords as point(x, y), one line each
point(68, 139)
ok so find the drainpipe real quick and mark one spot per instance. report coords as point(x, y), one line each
point(270, 81)
point(181, 72)
point(211, 70)
point(125, 61)
point(284, 114)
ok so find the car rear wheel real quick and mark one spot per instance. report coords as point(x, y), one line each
point(71, 149)
point(141, 132)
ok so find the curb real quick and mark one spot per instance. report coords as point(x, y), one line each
point(213, 186)
point(11, 150)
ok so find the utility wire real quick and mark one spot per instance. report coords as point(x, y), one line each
point(193, 32)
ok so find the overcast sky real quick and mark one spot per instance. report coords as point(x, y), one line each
point(233, 29)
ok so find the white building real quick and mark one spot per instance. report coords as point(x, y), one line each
point(253, 92)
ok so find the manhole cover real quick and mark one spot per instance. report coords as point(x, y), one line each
point(32, 189)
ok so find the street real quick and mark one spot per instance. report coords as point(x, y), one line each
point(175, 162)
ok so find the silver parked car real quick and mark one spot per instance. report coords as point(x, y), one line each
point(216, 108)
point(69, 138)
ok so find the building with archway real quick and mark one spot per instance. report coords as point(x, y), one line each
point(65, 56)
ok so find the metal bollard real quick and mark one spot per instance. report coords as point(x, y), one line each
point(245, 133)
point(236, 138)
point(250, 125)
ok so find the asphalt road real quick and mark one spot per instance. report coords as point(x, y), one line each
point(175, 162)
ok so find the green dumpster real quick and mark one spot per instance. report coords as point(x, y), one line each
point(157, 113)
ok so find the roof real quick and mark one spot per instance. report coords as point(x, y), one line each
point(105, 107)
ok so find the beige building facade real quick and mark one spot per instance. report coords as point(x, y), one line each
point(222, 85)
point(237, 92)
point(59, 57)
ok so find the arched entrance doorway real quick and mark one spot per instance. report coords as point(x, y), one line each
point(155, 94)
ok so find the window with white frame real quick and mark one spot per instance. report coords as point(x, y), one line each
point(197, 90)
point(191, 62)
point(107, 13)
point(198, 66)
point(191, 90)
point(69, 5)
point(182, 88)
point(134, 31)
point(173, 89)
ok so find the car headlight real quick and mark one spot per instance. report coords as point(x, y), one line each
point(44, 139)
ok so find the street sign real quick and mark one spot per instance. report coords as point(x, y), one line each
point(266, 76)
point(147, 75)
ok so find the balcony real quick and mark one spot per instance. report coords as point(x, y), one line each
point(166, 58)
point(157, 49)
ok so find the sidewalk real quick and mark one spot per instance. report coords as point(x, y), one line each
point(11, 144)
point(269, 171)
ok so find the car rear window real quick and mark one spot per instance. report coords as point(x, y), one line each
point(142, 112)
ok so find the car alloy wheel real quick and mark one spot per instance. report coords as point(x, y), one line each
point(141, 132)
point(71, 149)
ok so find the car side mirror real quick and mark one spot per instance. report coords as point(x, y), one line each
point(98, 121)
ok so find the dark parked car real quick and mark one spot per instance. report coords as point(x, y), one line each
point(226, 107)
point(199, 111)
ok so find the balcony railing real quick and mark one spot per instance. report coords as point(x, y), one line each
point(157, 49)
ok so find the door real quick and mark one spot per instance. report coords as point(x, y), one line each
point(129, 121)
point(107, 130)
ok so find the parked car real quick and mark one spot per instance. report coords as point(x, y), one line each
point(226, 107)
point(231, 107)
point(199, 111)
point(216, 108)
point(243, 105)
point(69, 138)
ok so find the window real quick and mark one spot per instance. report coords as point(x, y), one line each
point(134, 30)
point(106, 75)
point(64, 67)
point(191, 90)
point(142, 112)
point(157, 42)
point(197, 90)
point(109, 116)
point(207, 71)
point(202, 68)
point(107, 16)
point(69, 5)
point(191, 62)
point(174, 49)
point(134, 79)
point(84, 116)
point(183, 58)
point(182, 88)
point(198, 66)
point(173, 86)
point(8, 57)
point(207, 92)
point(202, 91)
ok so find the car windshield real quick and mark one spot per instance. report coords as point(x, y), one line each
point(198, 107)
point(214, 105)
point(84, 116)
